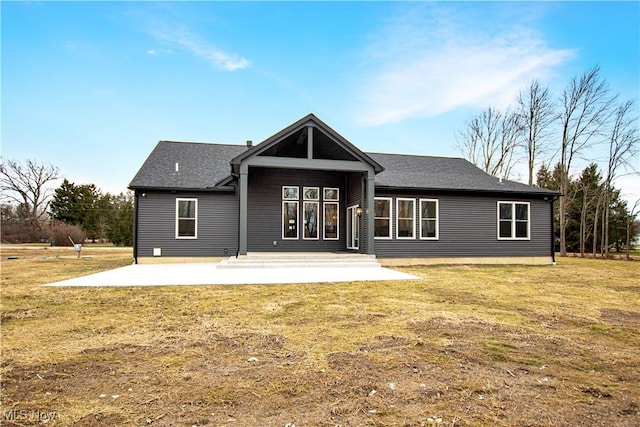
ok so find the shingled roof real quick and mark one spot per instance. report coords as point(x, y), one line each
point(200, 166)
point(204, 166)
point(443, 173)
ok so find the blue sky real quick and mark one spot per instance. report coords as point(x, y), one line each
point(92, 86)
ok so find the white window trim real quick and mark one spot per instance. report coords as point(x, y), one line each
point(304, 221)
point(284, 187)
point(324, 220)
point(390, 236)
point(297, 218)
point(304, 193)
point(337, 190)
point(184, 199)
point(513, 220)
point(398, 200)
point(437, 218)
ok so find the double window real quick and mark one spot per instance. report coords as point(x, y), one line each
point(382, 221)
point(331, 218)
point(310, 205)
point(290, 196)
point(186, 218)
point(513, 220)
point(405, 218)
point(429, 219)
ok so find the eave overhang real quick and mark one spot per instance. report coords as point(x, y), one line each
point(308, 121)
point(511, 193)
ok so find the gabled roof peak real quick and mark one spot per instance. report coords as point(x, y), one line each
point(306, 121)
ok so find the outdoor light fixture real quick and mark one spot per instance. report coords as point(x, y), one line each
point(359, 211)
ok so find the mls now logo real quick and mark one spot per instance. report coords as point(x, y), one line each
point(25, 415)
point(16, 415)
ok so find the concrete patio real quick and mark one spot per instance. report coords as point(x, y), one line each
point(256, 269)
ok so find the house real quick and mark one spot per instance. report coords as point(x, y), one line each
point(308, 189)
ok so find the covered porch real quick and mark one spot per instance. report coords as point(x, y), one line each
point(305, 189)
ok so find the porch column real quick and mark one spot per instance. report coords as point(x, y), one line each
point(243, 185)
point(309, 142)
point(371, 190)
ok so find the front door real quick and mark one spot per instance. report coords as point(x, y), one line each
point(353, 228)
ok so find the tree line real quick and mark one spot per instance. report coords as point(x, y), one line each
point(588, 230)
point(543, 130)
point(31, 211)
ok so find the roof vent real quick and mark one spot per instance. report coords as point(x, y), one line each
point(249, 143)
point(177, 167)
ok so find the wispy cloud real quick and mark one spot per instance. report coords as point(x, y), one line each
point(154, 52)
point(433, 59)
point(181, 37)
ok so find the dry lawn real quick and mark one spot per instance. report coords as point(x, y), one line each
point(464, 346)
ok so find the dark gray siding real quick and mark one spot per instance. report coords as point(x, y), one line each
point(468, 229)
point(265, 209)
point(355, 196)
point(217, 225)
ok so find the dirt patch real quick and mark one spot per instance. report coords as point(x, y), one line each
point(615, 316)
point(381, 342)
point(18, 314)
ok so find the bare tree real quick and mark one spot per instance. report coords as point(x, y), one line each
point(623, 146)
point(586, 107)
point(26, 184)
point(490, 141)
point(535, 113)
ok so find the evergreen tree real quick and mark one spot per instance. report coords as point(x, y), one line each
point(120, 231)
point(64, 204)
point(588, 200)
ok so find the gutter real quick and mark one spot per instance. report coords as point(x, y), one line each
point(553, 194)
point(225, 189)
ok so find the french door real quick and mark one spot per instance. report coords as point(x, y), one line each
point(353, 228)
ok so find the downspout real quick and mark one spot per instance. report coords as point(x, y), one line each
point(135, 228)
point(553, 232)
point(238, 227)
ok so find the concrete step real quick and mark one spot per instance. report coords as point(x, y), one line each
point(301, 260)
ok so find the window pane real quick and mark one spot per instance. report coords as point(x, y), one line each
point(522, 212)
point(521, 229)
point(330, 220)
point(331, 194)
point(505, 211)
point(290, 193)
point(382, 228)
point(311, 193)
point(187, 209)
point(505, 229)
point(187, 227)
point(290, 219)
point(311, 220)
point(382, 208)
point(405, 208)
point(428, 228)
point(428, 209)
point(405, 228)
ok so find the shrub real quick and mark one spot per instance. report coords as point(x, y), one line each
point(60, 232)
